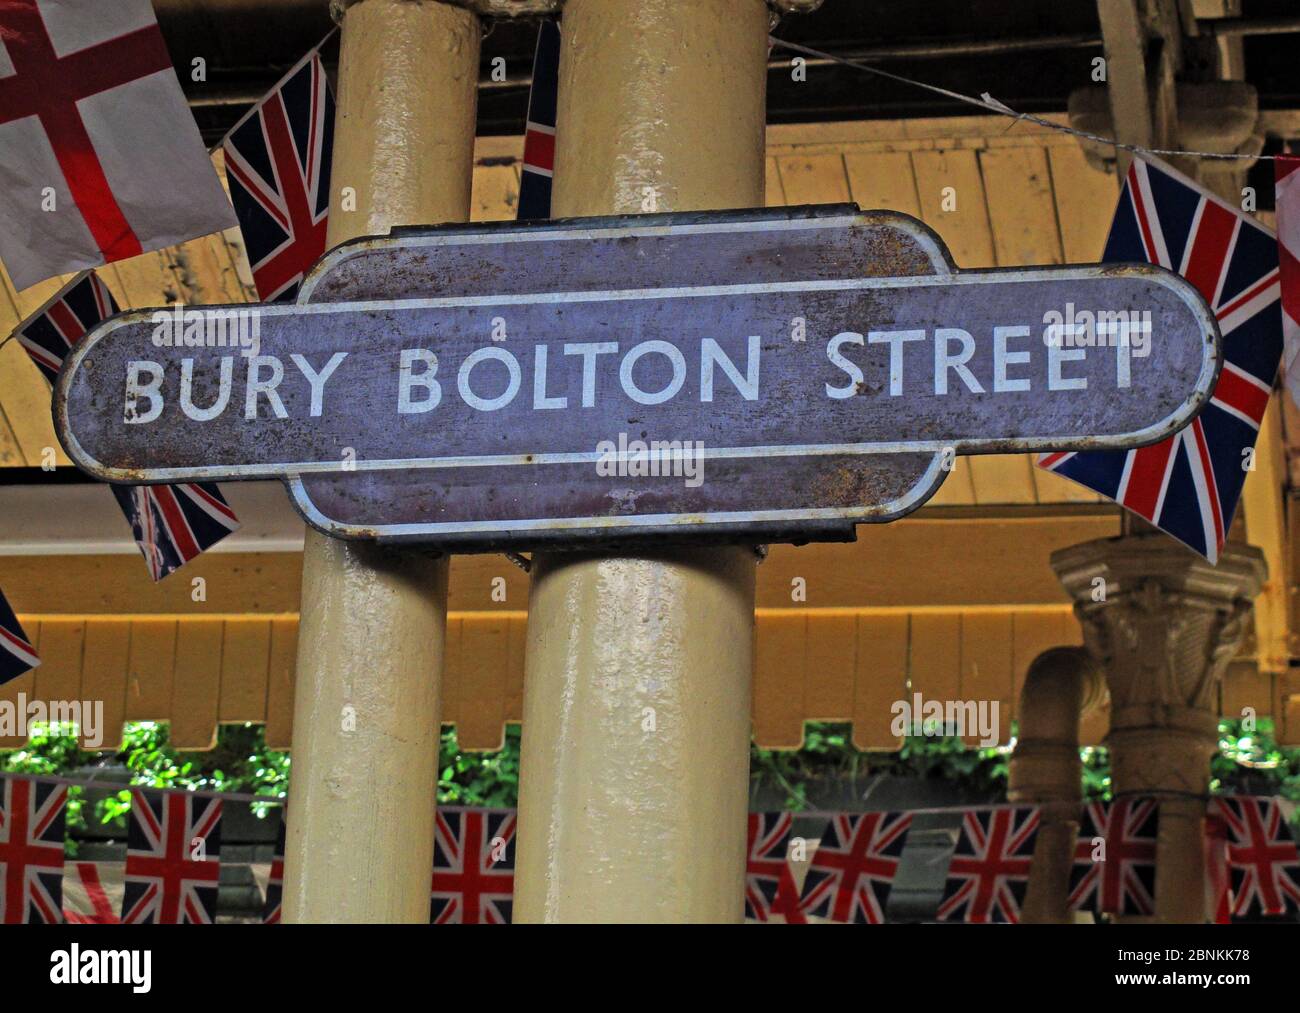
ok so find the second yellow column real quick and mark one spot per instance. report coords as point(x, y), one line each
point(636, 726)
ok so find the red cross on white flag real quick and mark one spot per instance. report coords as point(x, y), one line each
point(100, 159)
point(1288, 248)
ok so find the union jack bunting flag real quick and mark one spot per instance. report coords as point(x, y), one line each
point(31, 851)
point(853, 868)
point(990, 866)
point(769, 882)
point(171, 523)
point(1121, 877)
point(275, 884)
point(51, 332)
point(174, 523)
point(1189, 484)
point(278, 167)
point(1262, 856)
point(539, 137)
point(172, 859)
point(473, 867)
point(19, 655)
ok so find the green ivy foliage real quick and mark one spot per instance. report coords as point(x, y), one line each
point(828, 754)
point(479, 779)
point(1249, 760)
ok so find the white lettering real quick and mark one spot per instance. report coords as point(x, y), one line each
point(506, 396)
point(406, 380)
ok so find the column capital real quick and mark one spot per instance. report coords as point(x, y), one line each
point(1162, 622)
point(505, 9)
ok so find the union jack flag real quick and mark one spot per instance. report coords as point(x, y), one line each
point(1122, 880)
point(1189, 484)
point(539, 135)
point(174, 523)
point(989, 871)
point(473, 867)
point(52, 331)
point(769, 882)
point(853, 868)
point(172, 859)
point(278, 167)
point(1262, 856)
point(171, 523)
point(31, 851)
point(19, 655)
point(271, 910)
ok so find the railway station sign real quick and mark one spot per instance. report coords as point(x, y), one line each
point(770, 375)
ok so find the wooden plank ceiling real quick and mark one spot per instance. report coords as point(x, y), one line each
point(876, 626)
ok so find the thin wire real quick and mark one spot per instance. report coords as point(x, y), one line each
point(990, 104)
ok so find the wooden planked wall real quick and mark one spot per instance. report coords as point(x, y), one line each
point(846, 665)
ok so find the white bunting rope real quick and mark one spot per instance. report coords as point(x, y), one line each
point(990, 104)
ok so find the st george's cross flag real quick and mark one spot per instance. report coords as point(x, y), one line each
point(272, 910)
point(170, 523)
point(100, 158)
point(989, 871)
point(852, 870)
point(473, 867)
point(1189, 484)
point(769, 880)
point(278, 167)
point(539, 134)
point(172, 858)
point(1115, 857)
point(1286, 171)
point(1263, 860)
point(31, 851)
point(18, 654)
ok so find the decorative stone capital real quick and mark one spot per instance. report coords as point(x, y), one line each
point(1162, 622)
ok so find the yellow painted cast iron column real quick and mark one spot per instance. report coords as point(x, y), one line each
point(637, 679)
point(366, 709)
